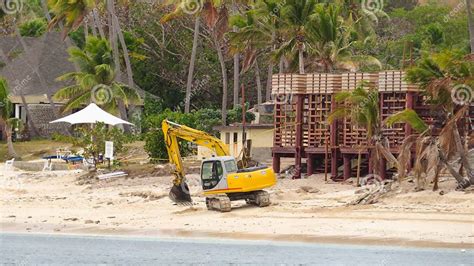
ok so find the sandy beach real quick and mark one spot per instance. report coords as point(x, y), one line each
point(308, 210)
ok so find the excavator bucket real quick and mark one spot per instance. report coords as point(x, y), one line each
point(180, 194)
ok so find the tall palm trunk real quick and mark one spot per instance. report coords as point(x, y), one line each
point(301, 59)
point(66, 130)
point(11, 150)
point(189, 83)
point(259, 83)
point(236, 64)
point(470, 20)
point(268, 86)
point(97, 23)
point(220, 55)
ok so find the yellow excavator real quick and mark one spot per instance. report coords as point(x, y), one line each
point(221, 179)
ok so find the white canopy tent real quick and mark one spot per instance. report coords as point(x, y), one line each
point(91, 115)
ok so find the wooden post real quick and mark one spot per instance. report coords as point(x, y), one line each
point(333, 139)
point(299, 135)
point(347, 166)
point(359, 159)
point(310, 164)
point(276, 163)
point(326, 158)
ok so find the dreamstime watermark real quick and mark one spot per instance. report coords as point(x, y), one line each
point(372, 6)
point(21, 84)
point(11, 7)
point(283, 95)
point(192, 7)
point(101, 94)
point(462, 94)
point(274, 12)
point(455, 11)
point(372, 182)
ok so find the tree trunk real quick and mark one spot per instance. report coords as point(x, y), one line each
point(259, 83)
point(98, 23)
point(268, 86)
point(126, 55)
point(462, 182)
point(189, 83)
point(116, 54)
point(463, 154)
point(301, 60)
point(66, 129)
point(281, 66)
point(86, 28)
point(470, 20)
point(236, 64)
point(93, 24)
point(11, 150)
point(220, 55)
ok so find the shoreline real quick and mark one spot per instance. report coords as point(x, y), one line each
point(308, 211)
point(179, 234)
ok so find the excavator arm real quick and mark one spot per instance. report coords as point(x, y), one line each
point(172, 131)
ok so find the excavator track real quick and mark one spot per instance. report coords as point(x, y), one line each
point(259, 198)
point(219, 203)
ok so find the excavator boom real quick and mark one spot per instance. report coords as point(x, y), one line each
point(172, 131)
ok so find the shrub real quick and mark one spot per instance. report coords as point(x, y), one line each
point(204, 120)
point(33, 28)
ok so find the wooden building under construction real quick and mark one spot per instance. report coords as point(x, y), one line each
point(303, 103)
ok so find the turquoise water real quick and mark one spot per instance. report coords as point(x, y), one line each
point(29, 249)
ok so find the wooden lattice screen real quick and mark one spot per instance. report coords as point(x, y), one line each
point(285, 124)
point(284, 89)
point(353, 136)
point(320, 89)
point(391, 103)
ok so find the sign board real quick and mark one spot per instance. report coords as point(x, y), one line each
point(109, 150)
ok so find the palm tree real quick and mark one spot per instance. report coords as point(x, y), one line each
point(332, 42)
point(6, 110)
point(446, 78)
point(72, 15)
point(470, 20)
point(96, 79)
point(179, 9)
point(362, 107)
point(297, 29)
point(433, 153)
point(214, 13)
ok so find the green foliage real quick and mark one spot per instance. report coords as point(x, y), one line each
point(6, 107)
point(203, 119)
point(438, 74)
point(96, 79)
point(93, 140)
point(408, 116)
point(428, 27)
point(235, 115)
point(362, 107)
point(154, 138)
point(33, 28)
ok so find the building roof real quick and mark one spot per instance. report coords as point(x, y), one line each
point(46, 54)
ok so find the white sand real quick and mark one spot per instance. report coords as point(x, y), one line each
point(53, 202)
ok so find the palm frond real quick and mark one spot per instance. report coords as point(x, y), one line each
point(408, 116)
